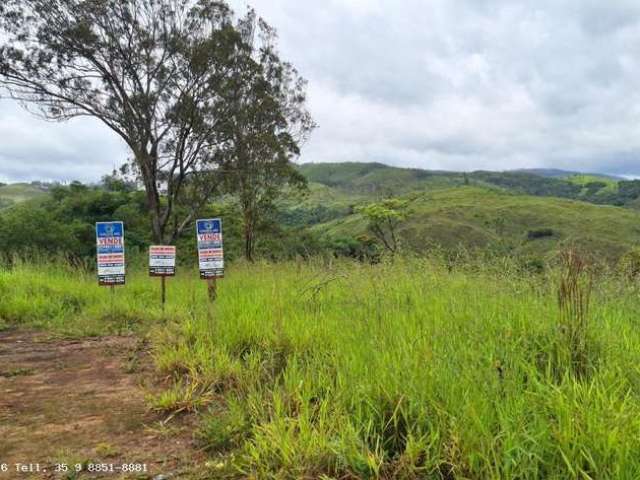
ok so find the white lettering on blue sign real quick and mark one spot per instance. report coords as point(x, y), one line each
point(210, 250)
point(110, 250)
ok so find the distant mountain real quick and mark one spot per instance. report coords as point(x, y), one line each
point(557, 173)
point(377, 180)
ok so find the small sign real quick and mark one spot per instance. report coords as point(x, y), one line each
point(210, 253)
point(110, 248)
point(162, 260)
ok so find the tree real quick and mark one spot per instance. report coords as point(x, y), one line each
point(150, 70)
point(265, 126)
point(383, 220)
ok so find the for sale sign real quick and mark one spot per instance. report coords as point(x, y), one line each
point(162, 260)
point(110, 246)
point(210, 253)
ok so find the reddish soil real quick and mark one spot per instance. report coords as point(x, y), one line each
point(83, 401)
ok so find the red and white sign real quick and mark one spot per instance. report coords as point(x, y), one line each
point(162, 260)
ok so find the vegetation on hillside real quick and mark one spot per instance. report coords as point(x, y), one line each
point(494, 222)
point(479, 220)
point(382, 180)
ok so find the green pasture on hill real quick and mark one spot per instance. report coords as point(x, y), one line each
point(339, 369)
point(506, 223)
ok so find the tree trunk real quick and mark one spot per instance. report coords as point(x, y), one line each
point(248, 235)
point(248, 242)
point(147, 162)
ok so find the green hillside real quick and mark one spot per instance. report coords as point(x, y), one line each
point(515, 212)
point(377, 180)
point(507, 213)
point(476, 217)
point(19, 192)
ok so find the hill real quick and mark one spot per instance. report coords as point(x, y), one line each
point(19, 192)
point(557, 173)
point(502, 222)
point(377, 180)
point(506, 213)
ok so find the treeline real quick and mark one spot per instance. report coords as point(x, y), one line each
point(63, 223)
point(599, 192)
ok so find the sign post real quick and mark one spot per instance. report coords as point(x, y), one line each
point(110, 253)
point(210, 253)
point(162, 263)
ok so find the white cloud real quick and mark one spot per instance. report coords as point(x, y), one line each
point(34, 149)
point(446, 84)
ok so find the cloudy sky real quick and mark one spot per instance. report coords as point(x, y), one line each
point(436, 84)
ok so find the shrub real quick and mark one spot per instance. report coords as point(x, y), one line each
point(539, 233)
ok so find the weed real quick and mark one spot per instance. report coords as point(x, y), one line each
point(574, 296)
point(16, 372)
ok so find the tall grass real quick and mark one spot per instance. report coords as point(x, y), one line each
point(403, 370)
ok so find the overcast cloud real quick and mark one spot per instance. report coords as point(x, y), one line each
point(436, 84)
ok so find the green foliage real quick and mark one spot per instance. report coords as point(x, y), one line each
point(574, 297)
point(384, 218)
point(5, 202)
point(375, 179)
point(64, 222)
point(539, 233)
point(479, 220)
point(410, 371)
point(263, 127)
point(47, 293)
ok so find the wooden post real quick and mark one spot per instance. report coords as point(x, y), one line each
point(163, 291)
point(212, 289)
point(113, 294)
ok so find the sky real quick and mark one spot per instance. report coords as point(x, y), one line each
point(434, 84)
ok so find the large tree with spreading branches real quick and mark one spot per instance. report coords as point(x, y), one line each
point(159, 73)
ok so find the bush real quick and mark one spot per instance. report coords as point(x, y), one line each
point(539, 233)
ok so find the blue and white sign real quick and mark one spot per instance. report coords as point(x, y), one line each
point(110, 248)
point(210, 252)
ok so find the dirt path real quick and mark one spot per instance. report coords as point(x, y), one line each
point(80, 402)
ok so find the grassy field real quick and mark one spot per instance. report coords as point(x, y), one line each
point(347, 370)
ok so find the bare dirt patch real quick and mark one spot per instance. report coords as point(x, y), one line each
point(83, 401)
